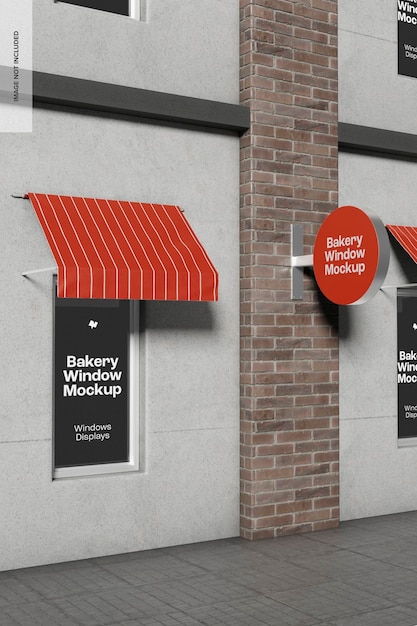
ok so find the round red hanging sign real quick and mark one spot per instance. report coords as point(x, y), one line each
point(351, 255)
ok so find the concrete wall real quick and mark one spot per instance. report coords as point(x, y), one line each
point(370, 91)
point(376, 476)
point(189, 488)
point(186, 47)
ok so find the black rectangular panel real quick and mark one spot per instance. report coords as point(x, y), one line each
point(80, 95)
point(407, 37)
point(121, 7)
point(407, 362)
point(377, 141)
point(91, 382)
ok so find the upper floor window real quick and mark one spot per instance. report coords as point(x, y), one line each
point(121, 7)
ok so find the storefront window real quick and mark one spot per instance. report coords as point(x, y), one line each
point(121, 7)
point(96, 382)
point(407, 364)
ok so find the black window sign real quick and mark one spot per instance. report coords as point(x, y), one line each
point(407, 362)
point(91, 382)
point(121, 7)
point(407, 37)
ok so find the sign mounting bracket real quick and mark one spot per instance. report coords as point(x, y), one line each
point(298, 262)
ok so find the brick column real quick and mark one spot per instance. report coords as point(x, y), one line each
point(289, 349)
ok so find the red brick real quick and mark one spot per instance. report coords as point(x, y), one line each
point(311, 516)
point(275, 497)
point(289, 356)
point(312, 492)
point(277, 520)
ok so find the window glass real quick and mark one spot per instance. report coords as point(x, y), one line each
point(121, 7)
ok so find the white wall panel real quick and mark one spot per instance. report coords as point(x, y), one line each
point(371, 93)
point(189, 489)
point(376, 476)
point(186, 47)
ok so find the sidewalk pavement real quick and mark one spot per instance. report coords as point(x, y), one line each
point(361, 574)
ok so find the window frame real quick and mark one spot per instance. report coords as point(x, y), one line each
point(133, 462)
point(137, 9)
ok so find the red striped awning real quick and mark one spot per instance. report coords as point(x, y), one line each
point(407, 237)
point(124, 250)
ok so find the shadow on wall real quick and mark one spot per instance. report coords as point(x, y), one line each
point(345, 322)
point(166, 315)
point(327, 308)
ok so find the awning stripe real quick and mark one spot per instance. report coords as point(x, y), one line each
point(97, 267)
point(195, 255)
point(80, 246)
point(181, 261)
point(116, 248)
point(104, 254)
point(407, 237)
point(183, 247)
point(126, 233)
point(204, 258)
point(157, 247)
point(125, 250)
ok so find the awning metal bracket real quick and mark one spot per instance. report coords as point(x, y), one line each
point(44, 269)
point(24, 196)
